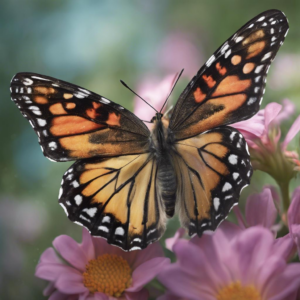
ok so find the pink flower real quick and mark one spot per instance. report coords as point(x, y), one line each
point(232, 264)
point(294, 218)
point(155, 91)
point(97, 270)
point(258, 127)
point(260, 210)
point(178, 52)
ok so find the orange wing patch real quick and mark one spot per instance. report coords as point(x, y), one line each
point(44, 90)
point(199, 95)
point(221, 70)
point(68, 125)
point(255, 49)
point(209, 81)
point(57, 109)
point(232, 84)
point(40, 100)
point(113, 119)
point(253, 37)
point(236, 59)
point(248, 68)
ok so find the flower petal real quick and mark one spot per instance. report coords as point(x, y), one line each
point(184, 285)
point(50, 256)
point(87, 244)
point(291, 133)
point(70, 283)
point(71, 251)
point(171, 241)
point(271, 112)
point(284, 247)
point(294, 209)
point(284, 284)
point(260, 209)
point(57, 295)
point(140, 295)
point(145, 272)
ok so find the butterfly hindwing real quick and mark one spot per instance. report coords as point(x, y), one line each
point(73, 123)
point(230, 86)
point(115, 198)
point(214, 168)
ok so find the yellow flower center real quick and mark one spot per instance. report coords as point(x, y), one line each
point(235, 291)
point(109, 274)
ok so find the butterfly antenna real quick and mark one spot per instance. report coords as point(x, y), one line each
point(172, 89)
point(137, 94)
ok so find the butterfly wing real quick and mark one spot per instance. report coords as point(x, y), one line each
point(230, 86)
point(74, 123)
point(115, 198)
point(214, 167)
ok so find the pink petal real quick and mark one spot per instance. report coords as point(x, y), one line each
point(71, 251)
point(291, 133)
point(260, 209)
point(285, 284)
point(49, 289)
point(57, 295)
point(284, 247)
point(143, 294)
point(87, 244)
point(100, 296)
point(294, 209)
point(287, 111)
point(240, 217)
point(171, 241)
point(71, 283)
point(249, 252)
point(271, 112)
point(51, 272)
point(146, 272)
point(185, 285)
point(50, 256)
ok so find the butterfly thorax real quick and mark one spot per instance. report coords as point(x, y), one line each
point(162, 147)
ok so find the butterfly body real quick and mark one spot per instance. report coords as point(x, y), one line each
point(127, 180)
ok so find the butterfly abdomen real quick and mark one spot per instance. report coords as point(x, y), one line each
point(167, 183)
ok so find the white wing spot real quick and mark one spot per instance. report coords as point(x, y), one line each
point(266, 56)
point(273, 38)
point(258, 69)
point(235, 175)
point(251, 100)
point(238, 39)
point(233, 159)
point(227, 53)
point(78, 199)
point(60, 192)
point(286, 32)
point(257, 78)
point(249, 173)
point(103, 228)
point(274, 22)
point(27, 81)
point(256, 89)
point(29, 90)
point(210, 61)
point(232, 135)
point(250, 26)
point(75, 184)
point(216, 203)
point(227, 186)
point(90, 211)
point(120, 231)
point(40, 78)
point(106, 219)
point(104, 100)
point(264, 24)
point(135, 248)
point(136, 240)
point(261, 19)
point(224, 48)
point(272, 30)
point(41, 122)
point(52, 146)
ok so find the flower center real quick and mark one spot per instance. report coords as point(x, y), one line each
point(109, 274)
point(235, 291)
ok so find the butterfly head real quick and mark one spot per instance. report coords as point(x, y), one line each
point(157, 117)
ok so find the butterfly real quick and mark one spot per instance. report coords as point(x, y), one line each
point(127, 180)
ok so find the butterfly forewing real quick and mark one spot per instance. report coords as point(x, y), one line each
point(215, 167)
point(230, 86)
point(115, 198)
point(73, 123)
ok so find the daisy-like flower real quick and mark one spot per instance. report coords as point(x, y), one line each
point(96, 270)
point(232, 264)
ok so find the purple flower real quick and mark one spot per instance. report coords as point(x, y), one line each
point(260, 210)
point(232, 264)
point(96, 270)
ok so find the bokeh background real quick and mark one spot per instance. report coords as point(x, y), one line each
point(95, 44)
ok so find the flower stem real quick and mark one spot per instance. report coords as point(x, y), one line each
point(284, 189)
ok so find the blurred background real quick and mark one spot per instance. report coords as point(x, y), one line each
point(94, 44)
